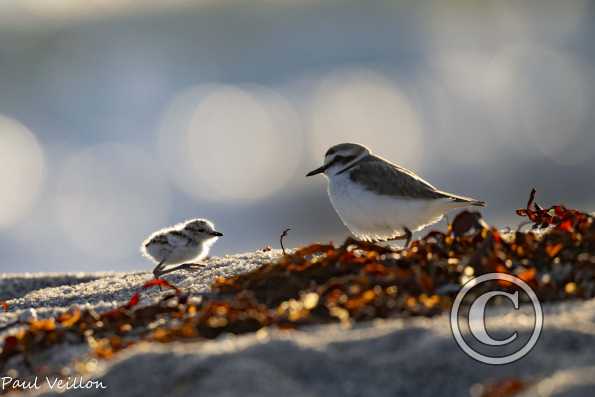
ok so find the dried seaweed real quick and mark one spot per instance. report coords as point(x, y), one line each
point(357, 281)
point(507, 387)
point(557, 215)
point(283, 235)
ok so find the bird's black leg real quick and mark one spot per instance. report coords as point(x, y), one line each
point(407, 235)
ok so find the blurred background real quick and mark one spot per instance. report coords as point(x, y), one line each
point(116, 120)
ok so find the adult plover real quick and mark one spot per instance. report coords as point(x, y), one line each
point(176, 245)
point(380, 201)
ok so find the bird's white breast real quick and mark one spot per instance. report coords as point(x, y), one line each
point(371, 216)
point(177, 250)
point(183, 253)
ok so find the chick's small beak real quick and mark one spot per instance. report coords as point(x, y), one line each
point(318, 170)
point(216, 234)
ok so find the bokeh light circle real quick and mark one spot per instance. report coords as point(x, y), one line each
point(109, 198)
point(230, 143)
point(557, 97)
point(365, 107)
point(471, 105)
point(22, 172)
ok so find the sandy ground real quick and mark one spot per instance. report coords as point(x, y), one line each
point(412, 357)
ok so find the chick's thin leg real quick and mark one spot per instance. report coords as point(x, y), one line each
point(183, 266)
point(158, 269)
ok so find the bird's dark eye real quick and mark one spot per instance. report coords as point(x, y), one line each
point(201, 230)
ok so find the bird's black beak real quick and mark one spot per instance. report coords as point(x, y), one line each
point(318, 170)
point(216, 234)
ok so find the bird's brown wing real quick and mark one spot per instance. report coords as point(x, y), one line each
point(382, 177)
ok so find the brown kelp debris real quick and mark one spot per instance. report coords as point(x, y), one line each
point(283, 235)
point(507, 387)
point(557, 215)
point(322, 283)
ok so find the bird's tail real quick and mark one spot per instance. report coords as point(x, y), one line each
point(470, 201)
point(464, 201)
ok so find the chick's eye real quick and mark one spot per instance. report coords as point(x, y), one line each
point(201, 230)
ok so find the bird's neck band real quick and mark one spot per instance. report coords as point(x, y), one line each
point(352, 164)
